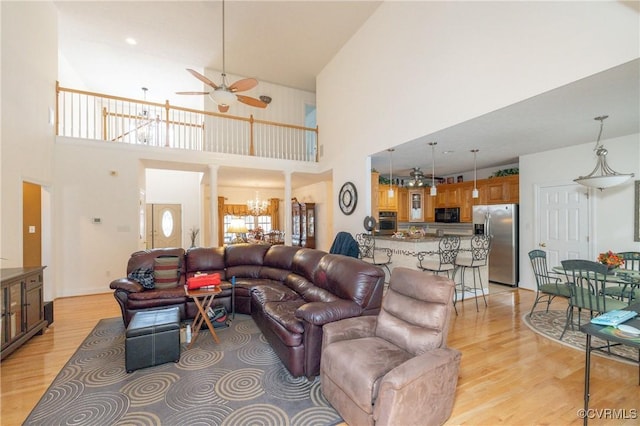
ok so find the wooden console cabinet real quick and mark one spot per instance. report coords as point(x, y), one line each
point(22, 304)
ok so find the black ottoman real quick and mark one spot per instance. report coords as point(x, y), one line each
point(152, 338)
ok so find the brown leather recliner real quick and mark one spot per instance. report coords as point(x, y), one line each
point(394, 368)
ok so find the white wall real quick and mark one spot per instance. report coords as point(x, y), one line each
point(29, 67)
point(418, 67)
point(177, 187)
point(613, 213)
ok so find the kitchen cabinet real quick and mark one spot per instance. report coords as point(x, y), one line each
point(375, 184)
point(303, 231)
point(500, 190)
point(429, 207)
point(403, 204)
point(22, 304)
point(387, 202)
point(416, 205)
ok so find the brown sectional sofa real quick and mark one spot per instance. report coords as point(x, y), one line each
point(290, 292)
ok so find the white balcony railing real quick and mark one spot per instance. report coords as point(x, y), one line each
point(88, 115)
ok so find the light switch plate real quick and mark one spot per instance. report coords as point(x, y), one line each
point(32, 229)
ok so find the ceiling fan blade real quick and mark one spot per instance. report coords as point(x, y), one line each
point(244, 84)
point(202, 78)
point(223, 108)
point(192, 93)
point(251, 101)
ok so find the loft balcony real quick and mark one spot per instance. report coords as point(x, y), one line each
point(112, 119)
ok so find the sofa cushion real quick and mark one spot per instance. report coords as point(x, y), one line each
point(305, 262)
point(245, 255)
point(166, 271)
point(207, 260)
point(280, 257)
point(273, 293)
point(283, 313)
point(348, 278)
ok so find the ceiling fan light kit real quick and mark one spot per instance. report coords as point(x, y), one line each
point(224, 95)
point(602, 176)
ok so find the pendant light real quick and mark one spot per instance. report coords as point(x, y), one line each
point(474, 193)
point(602, 175)
point(434, 191)
point(390, 193)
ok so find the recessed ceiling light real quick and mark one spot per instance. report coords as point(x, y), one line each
point(130, 40)
point(447, 152)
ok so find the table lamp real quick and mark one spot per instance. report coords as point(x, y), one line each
point(238, 227)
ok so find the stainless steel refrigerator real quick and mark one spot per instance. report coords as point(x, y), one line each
point(500, 221)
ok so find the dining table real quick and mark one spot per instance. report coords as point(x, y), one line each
point(628, 279)
point(613, 336)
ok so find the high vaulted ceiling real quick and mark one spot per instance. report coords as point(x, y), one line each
point(289, 43)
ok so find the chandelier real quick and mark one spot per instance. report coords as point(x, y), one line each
point(602, 175)
point(145, 125)
point(257, 207)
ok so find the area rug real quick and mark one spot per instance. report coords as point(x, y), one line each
point(550, 324)
point(240, 381)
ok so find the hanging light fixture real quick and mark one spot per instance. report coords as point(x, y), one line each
point(602, 175)
point(257, 207)
point(390, 193)
point(434, 191)
point(144, 123)
point(474, 193)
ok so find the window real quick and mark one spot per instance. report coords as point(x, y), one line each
point(252, 223)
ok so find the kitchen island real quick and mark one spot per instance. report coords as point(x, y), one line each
point(404, 252)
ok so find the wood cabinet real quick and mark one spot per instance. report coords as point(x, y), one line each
point(303, 230)
point(403, 204)
point(500, 190)
point(22, 304)
point(497, 190)
point(387, 202)
point(416, 205)
point(375, 176)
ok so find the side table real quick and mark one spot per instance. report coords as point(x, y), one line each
point(605, 333)
point(203, 298)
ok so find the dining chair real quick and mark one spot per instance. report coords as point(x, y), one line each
point(444, 260)
point(587, 280)
point(479, 255)
point(628, 287)
point(548, 285)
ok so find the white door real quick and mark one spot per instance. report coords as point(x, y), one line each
point(563, 223)
point(164, 225)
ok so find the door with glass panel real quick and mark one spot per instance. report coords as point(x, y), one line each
point(164, 225)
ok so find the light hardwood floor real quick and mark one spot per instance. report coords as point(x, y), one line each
point(509, 374)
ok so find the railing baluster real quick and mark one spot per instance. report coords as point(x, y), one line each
point(83, 114)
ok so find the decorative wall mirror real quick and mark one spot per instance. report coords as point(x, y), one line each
point(636, 213)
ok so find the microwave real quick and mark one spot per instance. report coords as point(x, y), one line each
point(448, 215)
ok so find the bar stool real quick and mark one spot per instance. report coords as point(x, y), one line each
point(368, 249)
point(480, 246)
point(446, 257)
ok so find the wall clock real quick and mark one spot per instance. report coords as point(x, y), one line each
point(348, 198)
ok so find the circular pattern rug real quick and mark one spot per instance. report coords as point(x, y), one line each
point(240, 381)
point(550, 324)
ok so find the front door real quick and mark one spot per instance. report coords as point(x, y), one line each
point(164, 225)
point(563, 223)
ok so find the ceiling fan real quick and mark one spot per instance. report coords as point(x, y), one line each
point(224, 95)
point(417, 177)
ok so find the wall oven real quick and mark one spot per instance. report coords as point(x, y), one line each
point(387, 222)
point(448, 215)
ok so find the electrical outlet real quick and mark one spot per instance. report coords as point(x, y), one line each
point(32, 229)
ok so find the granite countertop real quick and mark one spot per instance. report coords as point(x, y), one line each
point(425, 239)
